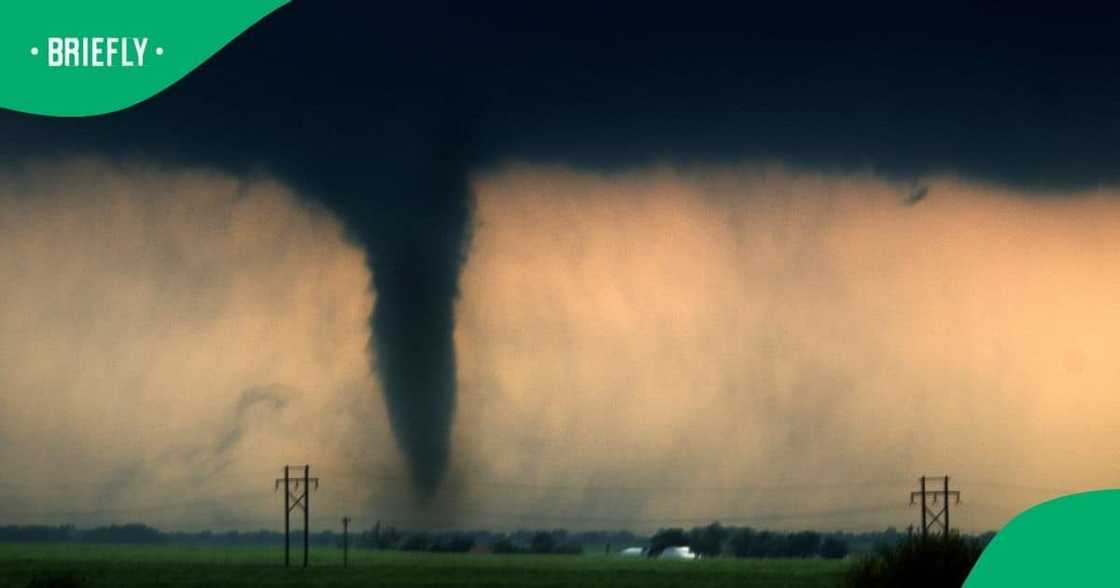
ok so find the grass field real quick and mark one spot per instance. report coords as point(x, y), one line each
point(177, 565)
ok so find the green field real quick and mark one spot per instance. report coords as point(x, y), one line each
point(178, 565)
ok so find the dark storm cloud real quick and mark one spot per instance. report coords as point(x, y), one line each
point(381, 113)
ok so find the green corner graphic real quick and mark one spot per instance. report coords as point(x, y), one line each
point(83, 58)
point(1068, 541)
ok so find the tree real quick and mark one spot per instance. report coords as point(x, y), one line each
point(379, 538)
point(770, 544)
point(742, 542)
point(834, 548)
point(708, 541)
point(568, 548)
point(417, 542)
point(803, 544)
point(666, 538)
point(543, 542)
point(505, 546)
point(452, 543)
point(129, 533)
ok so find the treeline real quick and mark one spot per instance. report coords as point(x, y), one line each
point(557, 541)
point(140, 533)
point(541, 542)
point(711, 541)
point(716, 540)
point(127, 533)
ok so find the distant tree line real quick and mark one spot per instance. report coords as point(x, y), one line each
point(710, 541)
point(139, 533)
point(557, 542)
point(36, 533)
point(127, 533)
point(716, 540)
point(540, 542)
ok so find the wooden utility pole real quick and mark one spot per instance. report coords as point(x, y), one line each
point(345, 541)
point(945, 493)
point(306, 510)
point(923, 506)
point(287, 519)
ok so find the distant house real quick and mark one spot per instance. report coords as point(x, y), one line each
point(633, 552)
point(677, 553)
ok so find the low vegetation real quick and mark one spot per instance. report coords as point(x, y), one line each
point(919, 562)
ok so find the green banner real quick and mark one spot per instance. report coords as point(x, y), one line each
point(1068, 541)
point(83, 58)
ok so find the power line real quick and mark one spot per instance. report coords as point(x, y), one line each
point(567, 517)
point(218, 499)
point(1040, 489)
point(642, 488)
point(575, 517)
point(815, 486)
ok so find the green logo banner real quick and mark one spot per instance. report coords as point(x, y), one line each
point(1069, 541)
point(83, 58)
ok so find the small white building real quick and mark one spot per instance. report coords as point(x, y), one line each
point(633, 552)
point(677, 553)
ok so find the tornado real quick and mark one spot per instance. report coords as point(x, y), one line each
point(415, 242)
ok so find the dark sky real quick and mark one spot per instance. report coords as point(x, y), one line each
point(1030, 99)
point(382, 111)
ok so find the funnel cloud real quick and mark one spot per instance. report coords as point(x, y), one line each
point(416, 264)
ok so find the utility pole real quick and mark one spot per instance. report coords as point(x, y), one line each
point(295, 497)
point(924, 527)
point(931, 518)
point(306, 509)
point(945, 493)
point(287, 519)
point(345, 541)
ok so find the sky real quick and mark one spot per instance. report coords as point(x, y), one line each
point(493, 267)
